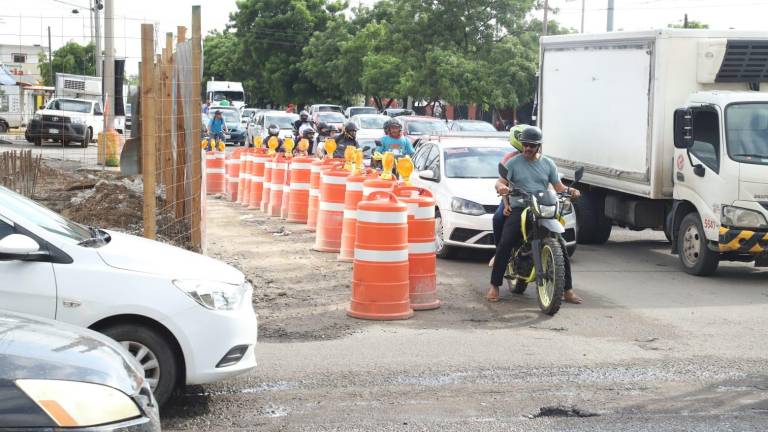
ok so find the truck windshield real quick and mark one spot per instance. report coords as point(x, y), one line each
point(70, 105)
point(746, 128)
point(231, 95)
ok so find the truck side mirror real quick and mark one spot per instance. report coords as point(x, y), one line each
point(578, 174)
point(683, 128)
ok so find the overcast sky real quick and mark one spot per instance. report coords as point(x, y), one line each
point(25, 22)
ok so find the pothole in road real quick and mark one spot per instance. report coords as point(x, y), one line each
point(562, 411)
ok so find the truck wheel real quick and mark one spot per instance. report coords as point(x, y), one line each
point(153, 351)
point(38, 141)
point(87, 139)
point(3, 127)
point(594, 227)
point(695, 255)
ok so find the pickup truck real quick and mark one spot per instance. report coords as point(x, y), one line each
point(66, 120)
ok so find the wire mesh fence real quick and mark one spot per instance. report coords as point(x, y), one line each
point(132, 163)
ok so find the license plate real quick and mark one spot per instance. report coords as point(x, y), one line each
point(53, 131)
point(227, 136)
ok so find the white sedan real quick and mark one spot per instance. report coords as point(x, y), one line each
point(461, 172)
point(186, 318)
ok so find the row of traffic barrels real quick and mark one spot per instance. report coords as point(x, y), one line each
point(386, 229)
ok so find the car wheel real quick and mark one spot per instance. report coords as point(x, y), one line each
point(3, 127)
point(441, 249)
point(88, 137)
point(153, 352)
point(37, 141)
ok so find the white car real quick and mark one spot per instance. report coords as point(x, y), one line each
point(370, 123)
point(187, 318)
point(282, 119)
point(461, 172)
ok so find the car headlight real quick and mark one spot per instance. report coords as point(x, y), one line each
point(743, 218)
point(37, 116)
point(567, 208)
point(79, 404)
point(547, 211)
point(460, 205)
point(77, 120)
point(214, 295)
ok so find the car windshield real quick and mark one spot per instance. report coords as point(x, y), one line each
point(230, 116)
point(42, 217)
point(231, 95)
point(283, 122)
point(426, 127)
point(70, 105)
point(475, 126)
point(746, 129)
point(330, 117)
point(372, 122)
point(328, 108)
point(362, 110)
point(473, 162)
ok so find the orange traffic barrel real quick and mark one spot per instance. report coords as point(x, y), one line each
point(279, 167)
point(330, 214)
point(233, 173)
point(215, 172)
point(298, 201)
point(352, 196)
point(245, 175)
point(377, 185)
point(422, 262)
point(380, 269)
point(286, 192)
point(314, 189)
point(267, 188)
point(258, 161)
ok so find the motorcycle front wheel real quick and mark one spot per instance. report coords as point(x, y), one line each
point(552, 283)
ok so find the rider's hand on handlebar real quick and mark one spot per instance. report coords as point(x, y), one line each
point(502, 190)
point(575, 193)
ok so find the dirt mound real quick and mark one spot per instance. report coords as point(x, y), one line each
point(110, 204)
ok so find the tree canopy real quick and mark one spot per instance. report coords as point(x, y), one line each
point(71, 58)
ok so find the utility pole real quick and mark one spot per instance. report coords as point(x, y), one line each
point(50, 58)
point(582, 15)
point(97, 29)
point(546, 10)
point(109, 65)
point(610, 15)
point(685, 21)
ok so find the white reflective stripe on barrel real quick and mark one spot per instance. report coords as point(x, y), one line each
point(257, 179)
point(382, 217)
point(354, 186)
point(220, 155)
point(334, 180)
point(369, 190)
point(300, 186)
point(267, 185)
point(421, 212)
point(350, 214)
point(314, 192)
point(276, 186)
point(301, 166)
point(279, 166)
point(329, 206)
point(258, 161)
point(381, 256)
point(215, 171)
point(421, 248)
point(316, 168)
point(233, 180)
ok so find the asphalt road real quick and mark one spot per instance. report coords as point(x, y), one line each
point(652, 349)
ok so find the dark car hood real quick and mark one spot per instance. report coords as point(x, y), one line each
point(35, 348)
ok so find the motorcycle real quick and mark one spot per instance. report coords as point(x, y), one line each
point(542, 256)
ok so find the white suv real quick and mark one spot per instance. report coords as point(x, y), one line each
point(461, 172)
point(186, 318)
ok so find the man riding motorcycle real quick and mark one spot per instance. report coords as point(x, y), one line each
point(302, 121)
point(347, 137)
point(530, 172)
point(394, 140)
point(308, 133)
point(273, 131)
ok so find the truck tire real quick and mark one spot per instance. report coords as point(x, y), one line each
point(3, 127)
point(695, 256)
point(87, 139)
point(594, 227)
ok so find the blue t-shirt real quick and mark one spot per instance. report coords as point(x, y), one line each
point(532, 177)
point(215, 126)
point(399, 146)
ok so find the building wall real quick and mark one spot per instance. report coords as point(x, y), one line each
point(25, 71)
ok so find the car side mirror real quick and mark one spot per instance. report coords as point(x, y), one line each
point(683, 128)
point(428, 175)
point(18, 247)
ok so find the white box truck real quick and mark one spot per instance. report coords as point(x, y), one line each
point(672, 129)
point(217, 91)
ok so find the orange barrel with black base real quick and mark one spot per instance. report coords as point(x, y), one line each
point(245, 176)
point(215, 172)
point(267, 185)
point(422, 261)
point(314, 189)
point(352, 196)
point(258, 160)
point(279, 168)
point(233, 173)
point(330, 214)
point(286, 192)
point(380, 270)
point(298, 204)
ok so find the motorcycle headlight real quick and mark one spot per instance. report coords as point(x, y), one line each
point(77, 120)
point(737, 217)
point(214, 295)
point(79, 404)
point(547, 211)
point(460, 205)
point(567, 208)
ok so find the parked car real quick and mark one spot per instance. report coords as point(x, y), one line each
point(54, 375)
point(417, 127)
point(237, 131)
point(324, 108)
point(66, 120)
point(471, 126)
point(331, 118)
point(357, 110)
point(396, 112)
point(282, 119)
point(461, 172)
point(187, 318)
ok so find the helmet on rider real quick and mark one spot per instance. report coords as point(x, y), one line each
point(530, 135)
point(322, 128)
point(273, 130)
point(350, 129)
point(304, 116)
point(307, 132)
point(392, 124)
point(514, 136)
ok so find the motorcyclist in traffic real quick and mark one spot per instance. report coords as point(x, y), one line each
point(517, 148)
point(308, 133)
point(347, 137)
point(393, 140)
point(530, 172)
point(273, 131)
point(303, 120)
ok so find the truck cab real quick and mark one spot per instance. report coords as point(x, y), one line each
point(66, 120)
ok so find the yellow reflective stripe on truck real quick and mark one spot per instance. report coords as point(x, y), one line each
point(742, 241)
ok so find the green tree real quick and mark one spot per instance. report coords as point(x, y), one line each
point(71, 58)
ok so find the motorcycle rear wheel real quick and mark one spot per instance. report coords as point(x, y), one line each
point(552, 282)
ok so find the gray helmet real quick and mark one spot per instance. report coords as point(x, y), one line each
point(350, 126)
point(304, 115)
point(273, 130)
point(307, 132)
point(391, 122)
point(531, 135)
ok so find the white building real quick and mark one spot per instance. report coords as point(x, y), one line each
point(21, 61)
